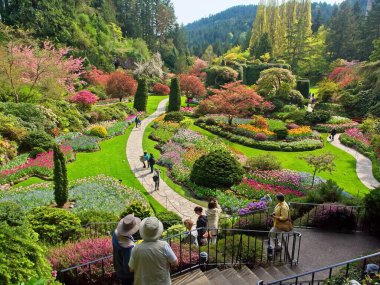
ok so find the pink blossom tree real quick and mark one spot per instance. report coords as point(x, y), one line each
point(84, 99)
point(198, 69)
point(47, 68)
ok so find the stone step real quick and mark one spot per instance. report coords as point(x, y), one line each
point(275, 272)
point(195, 277)
point(248, 275)
point(233, 277)
point(263, 274)
point(216, 277)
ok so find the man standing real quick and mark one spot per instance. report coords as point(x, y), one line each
point(281, 220)
point(122, 243)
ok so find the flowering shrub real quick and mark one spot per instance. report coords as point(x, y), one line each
point(97, 77)
point(334, 217)
point(259, 122)
point(356, 134)
point(301, 131)
point(84, 98)
point(253, 206)
point(161, 89)
point(260, 137)
point(256, 129)
point(183, 254)
point(338, 127)
point(343, 75)
point(292, 126)
point(42, 165)
point(82, 252)
point(83, 143)
point(187, 110)
point(99, 131)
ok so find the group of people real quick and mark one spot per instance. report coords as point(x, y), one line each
point(150, 162)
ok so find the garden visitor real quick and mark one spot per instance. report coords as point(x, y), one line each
point(371, 270)
point(122, 243)
point(156, 179)
point(281, 220)
point(213, 212)
point(201, 225)
point(333, 133)
point(191, 235)
point(267, 199)
point(137, 121)
point(152, 162)
point(143, 159)
point(151, 259)
point(146, 155)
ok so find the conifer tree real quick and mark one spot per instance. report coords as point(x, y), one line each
point(60, 177)
point(141, 96)
point(174, 96)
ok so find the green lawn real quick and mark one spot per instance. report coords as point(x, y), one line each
point(344, 174)
point(110, 160)
point(314, 90)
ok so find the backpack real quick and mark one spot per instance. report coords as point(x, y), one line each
point(152, 161)
point(155, 178)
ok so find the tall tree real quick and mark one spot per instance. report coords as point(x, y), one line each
point(263, 46)
point(141, 96)
point(61, 193)
point(174, 96)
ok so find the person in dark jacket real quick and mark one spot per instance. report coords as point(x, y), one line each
point(201, 223)
point(333, 133)
point(151, 162)
point(122, 244)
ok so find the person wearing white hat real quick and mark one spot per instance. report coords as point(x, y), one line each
point(122, 243)
point(151, 260)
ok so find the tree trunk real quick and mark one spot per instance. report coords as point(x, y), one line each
point(312, 183)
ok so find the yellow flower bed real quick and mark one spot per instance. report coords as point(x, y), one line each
point(255, 129)
point(305, 130)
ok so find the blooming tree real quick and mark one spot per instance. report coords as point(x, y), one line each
point(151, 68)
point(121, 85)
point(97, 77)
point(343, 75)
point(235, 100)
point(198, 69)
point(162, 89)
point(191, 86)
point(46, 68)
point(84, 98)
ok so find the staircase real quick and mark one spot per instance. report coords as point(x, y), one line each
point(243, 276)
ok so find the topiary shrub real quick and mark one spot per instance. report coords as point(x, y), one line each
point(174, 96)
point(281, 134)
point(94, 216)
point(217, 169)
point(36, 139)
point(260, 137)
point(169, 218)
point(141, 96)
point(263, 162)
point(36, 151)
point(316, 117)
point(61, 192)
point(55, 225)
point(138, 208)
point(303, 86)
point(372, 206)
point(174, 117)
point(99, 131)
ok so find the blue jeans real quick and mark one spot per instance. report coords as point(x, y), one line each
point(151, 167)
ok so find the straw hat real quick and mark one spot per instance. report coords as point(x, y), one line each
point(151, 229)
point(128, 226)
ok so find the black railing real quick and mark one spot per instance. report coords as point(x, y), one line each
point(233, 247)
point(336, 274)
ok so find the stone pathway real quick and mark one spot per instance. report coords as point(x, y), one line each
point(363, 165)
point(166, 196)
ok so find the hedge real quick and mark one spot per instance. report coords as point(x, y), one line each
point(303, 86)
point(305, 145)
point(364, 150)
point(252, 72)
point(333, 108)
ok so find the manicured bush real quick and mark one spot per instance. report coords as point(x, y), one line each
point(252, 71)
point(54, 225)
point(174, 230)
point(36, 139)
point(210, 121)
point(260, 137)
point(263, 162)
point(217, 169)
point(220, 75)
point(161, 89)
point(174, 96)
point(372, 206)
point(141, 96)
point(316, 117)
point(169, 218)
point(61, 191)
point(95, 216)
point(281, 134)
point(99, 131)
point(303, 86)
point(174, 117)
point(138, 208)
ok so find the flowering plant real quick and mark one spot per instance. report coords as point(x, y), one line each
point(301, 131)
point(187, 110)
point(358, 135)
point(255, 129)
point(253, 206)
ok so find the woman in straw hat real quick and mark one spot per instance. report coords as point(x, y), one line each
point(122, 243)
point(151, 259)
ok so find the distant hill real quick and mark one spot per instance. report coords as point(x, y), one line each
point(233, 26)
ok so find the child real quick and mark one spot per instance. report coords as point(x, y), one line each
point(191, 236)
point(156, 179)
point(213, 212)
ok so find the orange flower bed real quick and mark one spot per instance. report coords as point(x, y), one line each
point(255, 129)
point(305, 130)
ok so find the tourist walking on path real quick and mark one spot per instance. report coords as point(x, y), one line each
point(156, 179)
point(122, 243)
point(213, 213)
point(201, 225)
point(333, 133)
point(151, 259)
point(152, 162)
point(281, 220)
point(143, 158)
point(137, 121)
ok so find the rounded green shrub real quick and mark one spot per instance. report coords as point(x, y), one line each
point(137, 208)
point(38, 139)
point(174, 117)
point(169, 218)
point(281, 134)
point(263, 162)
point(317, 117)
point(12, 214)
point(54, 225)
point(210, 122)
point(94, 216)
point(217, 169)
point(99, 131)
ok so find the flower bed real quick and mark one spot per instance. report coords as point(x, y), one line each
point(80, 142)
point(41, 166)
point(340, 128)
point(164, 131)
point(253, 206)
point(303, 145)
point(117, 129)
point(99, 193)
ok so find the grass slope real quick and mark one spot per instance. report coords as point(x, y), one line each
point(345, 170)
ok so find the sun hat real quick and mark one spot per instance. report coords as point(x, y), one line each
point(128, 226)
point(151, 229)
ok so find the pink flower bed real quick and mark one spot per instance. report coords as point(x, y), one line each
point(188, 110)
point(272, 189)
point(358, 135)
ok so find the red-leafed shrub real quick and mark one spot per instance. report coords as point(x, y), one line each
point(191, 86)
point(121, 85)
point(82, 252)
point(292, 126)
point(161, 89)
point(84, 98)
point(198, 69)
point(260, 137)
point(343, 75)
point(97, 77)
point(183, 255)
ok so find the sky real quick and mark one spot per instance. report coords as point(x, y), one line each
point(188, 11)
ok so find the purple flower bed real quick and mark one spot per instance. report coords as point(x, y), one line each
point(172, 154)
point(253, 206)
point(186, 136)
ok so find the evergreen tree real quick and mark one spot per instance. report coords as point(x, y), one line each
point(141, 96)
point(318, 22)
point(264, 46)
point(371, 29)
point(60, 177)
point(174, 96)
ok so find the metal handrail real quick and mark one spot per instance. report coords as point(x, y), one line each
point(329, 268)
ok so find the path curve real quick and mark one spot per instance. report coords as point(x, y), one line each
point(363, 165)
point(166, 196)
